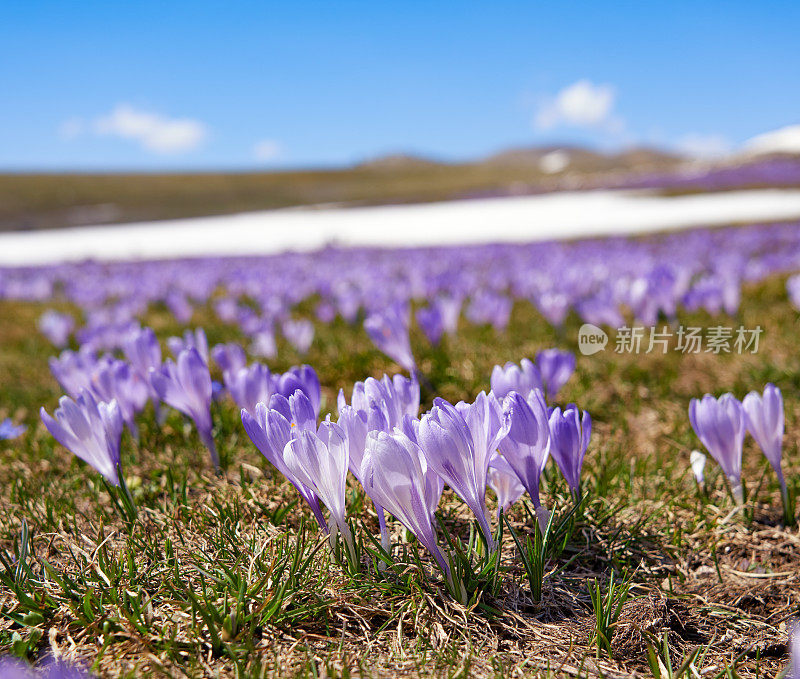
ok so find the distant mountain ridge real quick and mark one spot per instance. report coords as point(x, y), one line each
point(53, 200)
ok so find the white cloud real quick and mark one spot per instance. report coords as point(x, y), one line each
point(582, 104)
point(266, 150)
point(153, 131)
point(784, 140)
point(703, 145)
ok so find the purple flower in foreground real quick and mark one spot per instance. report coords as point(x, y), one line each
point(9, 431)
point(320, 460)
point(569, 438)
point(90, 430)
point(504, 482)
point(720, 425)
point(430, 320)
point(527, 444)
point(389, 331)
point(72, 370)
point(356, 424)
point(114, 380)
point(522, 378)
point(143, 352)
point(229, 357)
point(186, 386)
point(458, 444)
point(555, 367)
point(270, 428)
point(250, 386)
point(56, 327)
point(305, 379)
point(793, 671)
point(390, 398)
point(59, 669)
point(190, 340)
point(393, 475)
point(434, 484)
point(11, 668)
point(764, 418)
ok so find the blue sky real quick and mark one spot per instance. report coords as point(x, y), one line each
point(196, 85)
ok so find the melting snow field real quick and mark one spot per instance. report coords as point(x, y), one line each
point(528, 218)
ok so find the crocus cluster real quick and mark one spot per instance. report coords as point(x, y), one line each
point(722, 423)
point(105, 393)
point(403, 461)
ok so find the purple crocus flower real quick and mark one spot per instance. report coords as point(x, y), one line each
point(320, 460)
point(434, 484)
point(503, 480)
point(356, 424)
point(527, 445)
point(764, 418)
point(720, 425)
point(793, 671)
point(90, 431)
point(325, 312)
point(270, 428)
point(226, 308)
point(522, 378)
point(390, 333)
point(392, 474)
point(430, 320)
point(299, 333)
point(186, 386)
point(73, 370)
point(305, 379)
point(190, 340)
point(180, 307)
point(793, 290)
point(555, 368)
point(59, 669)
point(114, 380)
point(229, 357)
point(250, 386)
point(56, 327)
point(569, 437)
point(394, 397)
point(11, 668)
point(458, 448)
point(449, 312)
point(9, 431)
point(143, 352)
point(264, 344)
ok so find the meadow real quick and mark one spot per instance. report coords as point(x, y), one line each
point(227, 574)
